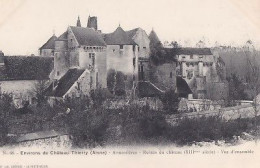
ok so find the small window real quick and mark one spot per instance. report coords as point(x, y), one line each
point(71, 40)
point(58, 73)
point(170, 74)
point(78, 86)
point(121, 46)
point(92, 57)
point(114, 50)
point(144, 47)
point(191, 56)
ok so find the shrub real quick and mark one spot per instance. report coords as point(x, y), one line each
point(116, 82)
point(208, 129)
point(88, 128)
point(170, 101)
point(140, 124)
point(5, 110)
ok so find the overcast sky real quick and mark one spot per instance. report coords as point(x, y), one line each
point(25, 25)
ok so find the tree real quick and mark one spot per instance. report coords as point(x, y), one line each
point(38, 90)
point(253, 75)
point(175, 44)
point(236, 89)
point(5, 110)
point(116, 82)
point(170, 101)
point(88, 127)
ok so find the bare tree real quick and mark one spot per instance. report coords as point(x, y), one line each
point(253, 76)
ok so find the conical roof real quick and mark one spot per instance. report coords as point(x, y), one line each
point(50, 44)
point(78, 22)
point(153, 37)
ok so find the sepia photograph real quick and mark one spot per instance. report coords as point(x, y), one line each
point(129, 83)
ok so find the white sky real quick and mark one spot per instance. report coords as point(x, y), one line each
point(26, 24)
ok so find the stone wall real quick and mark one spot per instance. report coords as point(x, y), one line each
point(153, 103)
point(61, 59)
point(229, 113)
point(21, 90)
point(121, 59)
point(61, 141)
point(100, 67)
point(164, 76)
point(196, 105)
point(47, 52)
point(141, 38)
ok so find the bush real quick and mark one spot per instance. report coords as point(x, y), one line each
point(5, 110)
point(170, 102)
point(116, 82)
point(208, 129)
point(88, 127)
point(140, 124)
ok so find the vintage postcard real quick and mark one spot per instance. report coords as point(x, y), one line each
point(129, 83)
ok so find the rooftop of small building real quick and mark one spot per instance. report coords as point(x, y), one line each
point(60, 88)
point(193, 51)
point(26, 68)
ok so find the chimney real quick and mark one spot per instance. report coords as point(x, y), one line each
point(2, 63)
point(92, 22)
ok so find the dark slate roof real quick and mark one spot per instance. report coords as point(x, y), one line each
point(26, 68)
point(88, 36)
point(63, 36)
point(64, 83)
point(118, 37)
point(50, 44)
point(147, 89)
point(132, 33)
point(183, 88)
point(153, 37)
point(194, 51)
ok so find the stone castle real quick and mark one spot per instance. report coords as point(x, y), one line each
point(85, 59)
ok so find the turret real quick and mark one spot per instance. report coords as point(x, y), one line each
point(78, 22)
